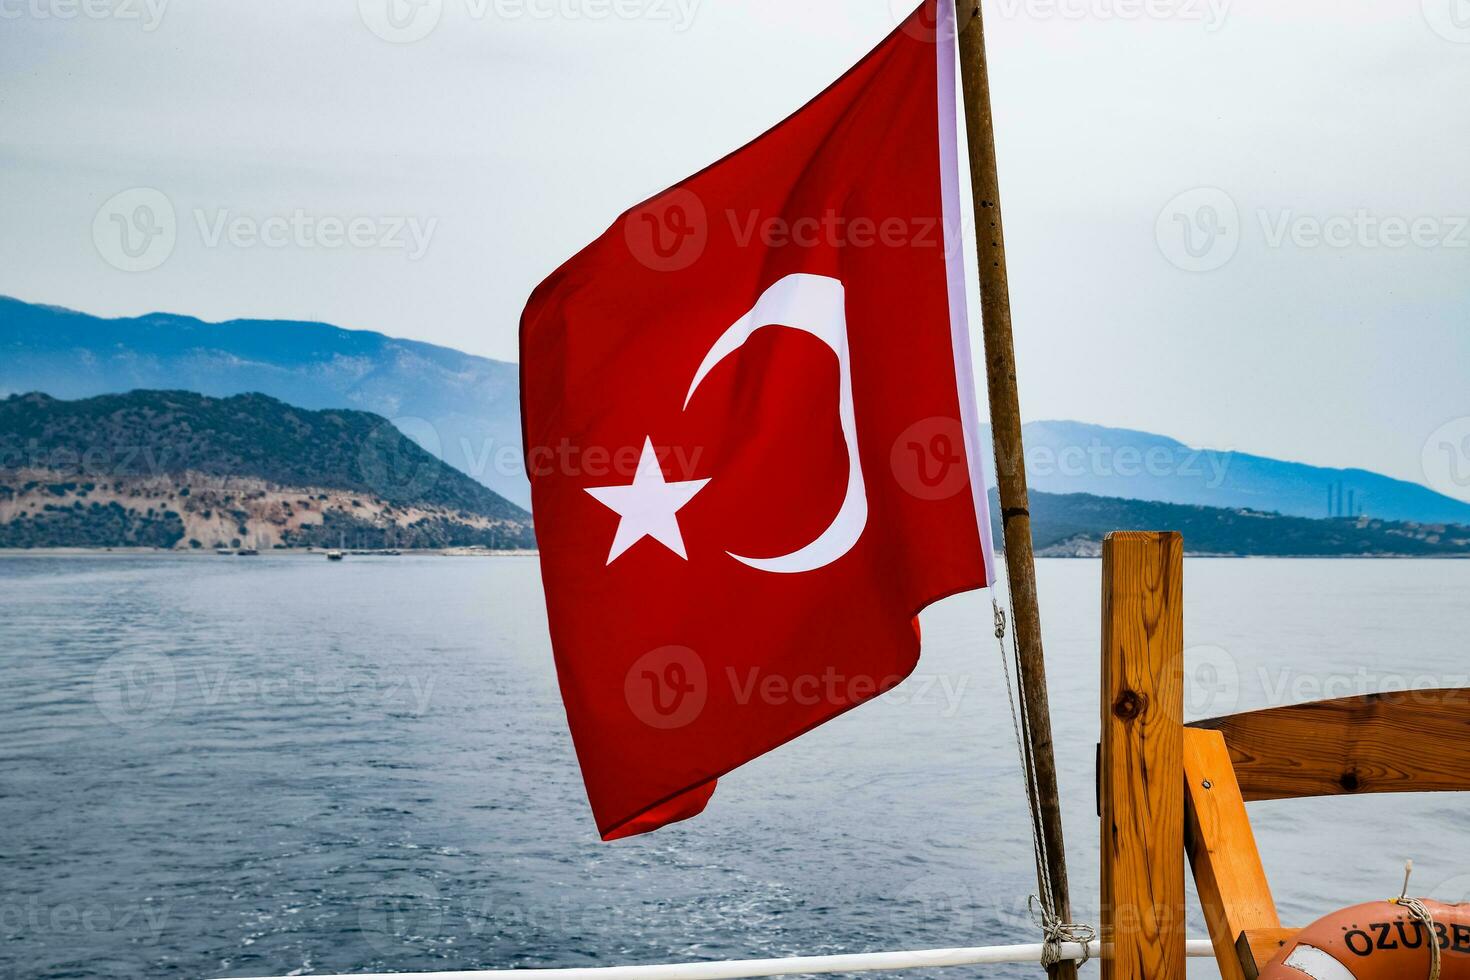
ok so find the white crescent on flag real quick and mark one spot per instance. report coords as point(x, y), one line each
point(815, 305)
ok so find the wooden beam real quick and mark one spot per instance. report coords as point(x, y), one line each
point(1005, 420)
point(1257, 947)
point(1401, 742)
point(1232, 884)
point(1142, 776)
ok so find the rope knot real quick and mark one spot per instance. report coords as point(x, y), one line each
point(1055, 932)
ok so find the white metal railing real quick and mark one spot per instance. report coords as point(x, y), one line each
point(734, 969)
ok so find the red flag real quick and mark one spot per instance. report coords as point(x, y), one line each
point(751, 433)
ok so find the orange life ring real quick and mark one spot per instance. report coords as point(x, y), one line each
point(1377, 941)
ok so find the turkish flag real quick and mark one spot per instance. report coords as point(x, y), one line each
point(751, 432)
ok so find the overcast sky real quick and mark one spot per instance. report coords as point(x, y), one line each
point(511, 132)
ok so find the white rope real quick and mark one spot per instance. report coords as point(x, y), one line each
point(1417, 910)
point(1028, 772)
point(735, 969)
point(1059, 934)
point(1055, 932)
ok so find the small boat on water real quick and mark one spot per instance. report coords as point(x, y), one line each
point(335, 555)
point(247, 552)
point(223, 551)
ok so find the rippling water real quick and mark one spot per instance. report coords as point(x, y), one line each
point(233, 767)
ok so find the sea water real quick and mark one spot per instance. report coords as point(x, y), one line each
point(218, 766)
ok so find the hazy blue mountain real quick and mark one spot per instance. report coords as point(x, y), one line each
point(462, 408)
point(466, 410)
point(1072, 457)
point(1073, 525)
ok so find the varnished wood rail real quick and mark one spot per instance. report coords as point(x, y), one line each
point(1399, 742)
point(1141, 792)
point(1222, 850)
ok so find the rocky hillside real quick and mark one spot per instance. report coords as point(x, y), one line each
point(464, 409)
point(181, 470)
point(178, 469)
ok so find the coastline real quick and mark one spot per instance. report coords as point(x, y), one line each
point(135, 552)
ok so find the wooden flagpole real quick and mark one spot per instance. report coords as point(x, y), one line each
point(1005, 419)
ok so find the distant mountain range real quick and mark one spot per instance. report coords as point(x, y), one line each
point(177, 469)
point(465, 409)
point(1072, 457)
point(1073, 526)
point(462, 408)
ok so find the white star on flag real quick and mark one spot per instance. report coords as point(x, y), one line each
point(648, 506)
